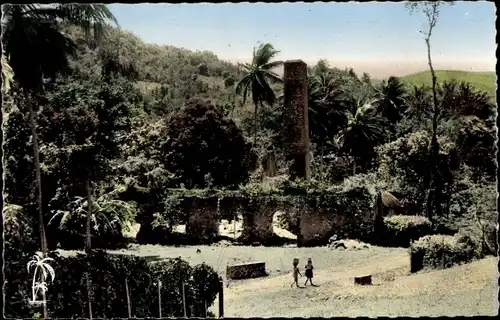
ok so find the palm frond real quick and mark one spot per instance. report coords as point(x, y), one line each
point(272, 65)
point(265, 52)
point(273, 77)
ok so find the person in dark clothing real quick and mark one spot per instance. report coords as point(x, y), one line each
point(309, 272)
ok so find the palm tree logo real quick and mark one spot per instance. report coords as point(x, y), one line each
point(40, 264)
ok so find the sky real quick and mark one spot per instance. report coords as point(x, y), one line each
point(375, 37)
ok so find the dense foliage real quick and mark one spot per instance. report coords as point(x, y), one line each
point(402, 230)
point(103, 131)
point(441, 251)
point(206, 149)
point(108, 276)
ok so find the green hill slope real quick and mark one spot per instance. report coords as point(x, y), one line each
point(182, 73)
point(484, 81)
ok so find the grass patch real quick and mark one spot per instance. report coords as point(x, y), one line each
point(484, 81)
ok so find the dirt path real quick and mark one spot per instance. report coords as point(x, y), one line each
point(464, 290)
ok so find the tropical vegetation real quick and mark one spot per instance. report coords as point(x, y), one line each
point(99, 127)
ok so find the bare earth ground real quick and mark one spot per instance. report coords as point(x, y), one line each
point(465, 290)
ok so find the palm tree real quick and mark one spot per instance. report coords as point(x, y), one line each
point(327, 106)
point(40, 264)
point(37, 51)
point(365, 130)
point(418, 103)
point(257, 77)
point(390, 98)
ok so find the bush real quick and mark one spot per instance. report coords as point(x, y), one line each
point(109, 218)
point(401, 230)
point(68, 297)
point(229, 82)
point(20, 240)
point(440, 252)
point(18, 229)
point(203, 69)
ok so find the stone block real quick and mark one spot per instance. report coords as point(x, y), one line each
point(246, 270)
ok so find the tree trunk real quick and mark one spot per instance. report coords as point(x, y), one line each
point(255, 124)
point(128, 298)
point(434, 146)
point(89, 295)
point(38, 178)
point(88, 243)
point(1, 175)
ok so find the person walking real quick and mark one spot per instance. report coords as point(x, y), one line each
point(295, 273)
point(309, 272)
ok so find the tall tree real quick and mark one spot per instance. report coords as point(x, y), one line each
point(327, 107)
point(37, 51)
point(257, 77)
point(321, 67)
point(390, 98)
point(365, 130)
point(431, 11)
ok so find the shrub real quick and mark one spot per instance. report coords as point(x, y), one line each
point(203, 69)
point(18, 228)
point(20, 244)
point(226, 74)
point(68, 294)
point(400, 230)
point(229, 82)
point(109, 218)
point(440, 252)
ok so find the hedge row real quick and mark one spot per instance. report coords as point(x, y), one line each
point(68, 295)
point(442, 251)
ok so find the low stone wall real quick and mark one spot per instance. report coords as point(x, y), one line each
point(246, 270)
point(203, 218)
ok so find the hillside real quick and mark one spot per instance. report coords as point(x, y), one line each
point(484, 81)
point(180, 72)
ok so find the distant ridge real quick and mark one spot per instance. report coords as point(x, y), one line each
point(484, 81)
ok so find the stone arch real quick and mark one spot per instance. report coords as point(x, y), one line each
point(258, 221)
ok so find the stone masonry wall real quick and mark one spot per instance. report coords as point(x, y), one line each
point(316, 227)
point(203, 219)
point(258, 223)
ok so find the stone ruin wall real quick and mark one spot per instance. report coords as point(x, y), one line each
point(258, 224)
point(203, 218)
point(316, 227)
